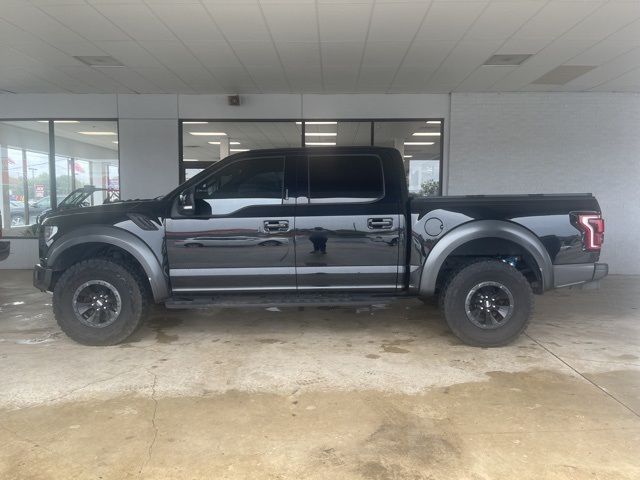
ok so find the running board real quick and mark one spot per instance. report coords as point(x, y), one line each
point(277, 300)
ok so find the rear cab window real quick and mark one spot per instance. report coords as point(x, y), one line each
point(355, 178)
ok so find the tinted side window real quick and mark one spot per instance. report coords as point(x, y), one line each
point(254, 181)
point(345, 178)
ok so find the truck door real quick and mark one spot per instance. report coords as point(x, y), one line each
point(347, 224)
point(240, 236)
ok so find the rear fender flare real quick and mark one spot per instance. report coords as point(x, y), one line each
point(484, 229)
point(122, 239)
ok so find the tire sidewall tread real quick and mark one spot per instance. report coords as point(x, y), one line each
point(132, 294)
point(458, 286)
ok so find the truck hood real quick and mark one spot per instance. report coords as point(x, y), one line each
point(102, 214)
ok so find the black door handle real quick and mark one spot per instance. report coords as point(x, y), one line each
point(272, 226)
point(380, 223)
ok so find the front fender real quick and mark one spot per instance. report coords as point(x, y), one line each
point(484, 229)
point(119, 238)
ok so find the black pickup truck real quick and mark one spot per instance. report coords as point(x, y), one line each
point(315, 226)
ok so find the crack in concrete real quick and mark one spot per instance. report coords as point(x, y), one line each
point(74, 390)
point(153, 423)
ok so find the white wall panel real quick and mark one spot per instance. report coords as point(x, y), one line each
point(554, 142)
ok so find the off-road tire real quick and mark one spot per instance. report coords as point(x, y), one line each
point(458, 286)
point(133, 294)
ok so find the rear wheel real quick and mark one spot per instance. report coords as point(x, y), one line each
point(99, 302)
point(487, 303)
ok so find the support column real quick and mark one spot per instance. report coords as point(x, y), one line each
point(4, 187)
point(224, 147)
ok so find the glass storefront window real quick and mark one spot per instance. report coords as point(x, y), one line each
point(323, 133)
point(420, 143)
point(86, 153)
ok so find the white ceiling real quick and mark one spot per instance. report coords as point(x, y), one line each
point(315, 46)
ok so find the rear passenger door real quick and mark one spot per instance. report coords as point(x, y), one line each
point(347, 229)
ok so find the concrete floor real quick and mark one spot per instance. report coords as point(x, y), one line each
point(379, 393)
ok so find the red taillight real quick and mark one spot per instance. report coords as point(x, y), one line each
point(592, 227)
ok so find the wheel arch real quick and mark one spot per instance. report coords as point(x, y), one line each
point(485, 229)
point(96, 236)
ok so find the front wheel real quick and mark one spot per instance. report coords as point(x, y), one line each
point(99, 302)
point(487, 303)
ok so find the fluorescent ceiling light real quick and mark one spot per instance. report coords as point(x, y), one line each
point(218, 143)
point(408, 156)
point(320, 144)
point(91, 132)
point(115, 141)
point(194, 123)
point(317, 123)
point(58, 121)
point(434, 122)
point(238, 149)
point(419, 143)
point(426, 134)
point(320, 134)
point(210, 134)
point(190, 160)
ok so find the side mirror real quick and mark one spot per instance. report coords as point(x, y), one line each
point(186, 203)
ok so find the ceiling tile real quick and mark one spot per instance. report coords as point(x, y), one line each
point(346, 54)
point(344, 23)
point(39, 24)
point(240, 22)
point(411, 79)
point(269, 79)
point(291, 22)
point(165, 79)
point(190, 23)
point(384, 54)
point(556, 18)
point(427, 53)
point(173, 55)
point(256, 53)
point(449, 20)
point(608, 71)
point(340, 79)
point(627, 82)
point(215, 55)
point(610, 18)
point(132, 80)
point(463, 60)
point(294, 54)
point(95, 77)
point(501, 19)
point(86, 21)
point(137, 21)
point(396, 21)
point(130, 53)
point(45, 54)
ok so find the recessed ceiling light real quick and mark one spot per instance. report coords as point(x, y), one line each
point(99, 60)
point(507, 60)
point(408, 156)
point(320, 134)
point(434, 122)
point(320, 144)
point(218, 143)
point(58, 121)
point(317, 123)
point(419, 143)
point(194, 123)
point(91, 132)
point(209, 134)
point(238, 149)
point(426, 134)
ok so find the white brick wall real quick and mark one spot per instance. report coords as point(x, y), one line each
point(555, 142)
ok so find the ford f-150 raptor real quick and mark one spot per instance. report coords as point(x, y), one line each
point(315, 226)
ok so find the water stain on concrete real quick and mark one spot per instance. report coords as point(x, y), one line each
point(270, 341)
point(372, 355)
point(392, 346)
point(478, 430)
